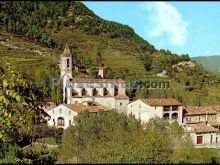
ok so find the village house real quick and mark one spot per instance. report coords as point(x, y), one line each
point(62, 116)
point(202, 123)
point(145, 109)
point(199, 114)
point(107, 92)
point(202, 134)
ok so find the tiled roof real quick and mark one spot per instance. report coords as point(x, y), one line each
point(216, 107)
point(201, 110)
point(66, 52)
point(214, 123)
point(201, 127)
point(84, 80)
point(80, 107)
point(162, 102)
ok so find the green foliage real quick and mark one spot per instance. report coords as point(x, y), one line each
point(38, 154)
point(20, 108)
point(31, 18)
point(93, 72)
point(109, 74)
point(109, 137)
point(87, 62)
point(142, 93)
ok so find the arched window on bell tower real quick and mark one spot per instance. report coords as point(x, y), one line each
point(68, 63)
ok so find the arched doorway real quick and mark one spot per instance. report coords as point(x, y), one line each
point(106, 92)
point(60, 121)
point(84, 92)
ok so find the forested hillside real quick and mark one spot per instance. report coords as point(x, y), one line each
point(93, 41)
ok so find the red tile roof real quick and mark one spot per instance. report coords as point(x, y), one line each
point(161, 102)
point(201, 127)
point(201, 110)
point(216, 107)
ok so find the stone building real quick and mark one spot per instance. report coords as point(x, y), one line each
point(107, 92)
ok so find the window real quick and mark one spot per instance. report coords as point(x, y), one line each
point(60, 121)
point(60, 110)
point(53, 112)
point(54, 122)
point(69, 112)
point(174, 108)
point(120, 103)
point(131, 106)
point(139, 106)
point(68, 63)
point(69, 122)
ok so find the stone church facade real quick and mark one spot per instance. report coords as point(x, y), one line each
point(107, 92)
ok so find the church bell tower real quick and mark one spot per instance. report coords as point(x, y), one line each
point(66, 71)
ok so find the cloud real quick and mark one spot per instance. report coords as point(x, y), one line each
point(166, 19)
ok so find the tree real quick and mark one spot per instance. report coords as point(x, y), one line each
point(20, 100)
point(142, 93)
point(93, 72)
point(110, 137)
point(109, 74)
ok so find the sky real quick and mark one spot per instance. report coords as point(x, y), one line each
point(182, 27)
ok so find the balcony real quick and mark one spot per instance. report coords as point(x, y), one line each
point(175, 108)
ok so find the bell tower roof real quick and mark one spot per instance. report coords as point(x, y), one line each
point(66, 51)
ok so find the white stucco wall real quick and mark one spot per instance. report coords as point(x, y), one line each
point(206, 138)
point(66, 113)
point(144, 111)
point(121, 105)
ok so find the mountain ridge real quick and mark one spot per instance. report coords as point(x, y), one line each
point(211, 62)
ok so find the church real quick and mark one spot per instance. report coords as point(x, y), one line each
point(107, 92)
point(80, 94)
